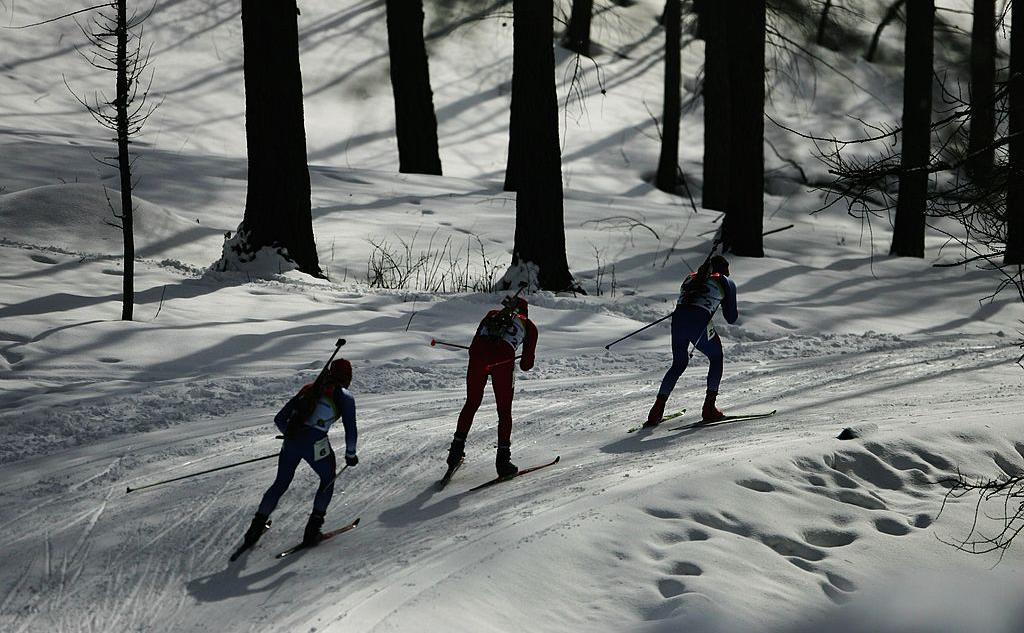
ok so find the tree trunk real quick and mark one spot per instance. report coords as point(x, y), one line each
point(1015, 171)
point(124, 164)
point(717, 105)
point(890, 15)
point(540, 232)
point(822, 23)
point(415, 122)
point(698, 19)
point(668, 163)
point(908, 231)
point(983, 78)
point(577, 35)
point(744, 218)
point(277, 205)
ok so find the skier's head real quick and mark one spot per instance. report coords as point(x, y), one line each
point(341, 372)
point(720, 265)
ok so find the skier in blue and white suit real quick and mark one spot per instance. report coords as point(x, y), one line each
point(700, 296)
point(308, 442)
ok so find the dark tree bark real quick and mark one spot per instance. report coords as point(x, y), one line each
point(983, 78)
point(124, 164)
point(540, 231)
point(415, 122)
point(667, 178)
point(577, 34)
point(718, 104)
point(822, 23)
point(744, 217)
point(890, 15)
point(908, 231)
point(698, 21)
point(1015, 169)
point(277, 204)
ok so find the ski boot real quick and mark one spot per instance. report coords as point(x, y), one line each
point(260, 524)
point(312, 535)
point(503, 461)
point(710, 413)
point(457, 451)
point(657, 411)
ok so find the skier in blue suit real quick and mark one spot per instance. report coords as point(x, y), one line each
point(700, 295)
point(309, 443)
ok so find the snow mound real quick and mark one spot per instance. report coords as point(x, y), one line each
point(77, 218)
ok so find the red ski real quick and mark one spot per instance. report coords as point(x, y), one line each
point(498, 480)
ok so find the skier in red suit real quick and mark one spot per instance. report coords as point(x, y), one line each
point(492, 353)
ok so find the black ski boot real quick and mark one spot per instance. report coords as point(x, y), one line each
point(457, 451)
point(312, 535)
point(260, 524)
point(503, 461)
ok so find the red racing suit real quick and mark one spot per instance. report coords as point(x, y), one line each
point(485, 353)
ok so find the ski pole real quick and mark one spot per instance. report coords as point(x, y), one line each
point(434, 342)
point(608, 346)
point(503, 362)
point(167, 481)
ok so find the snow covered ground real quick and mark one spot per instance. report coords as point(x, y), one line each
point(768, 524)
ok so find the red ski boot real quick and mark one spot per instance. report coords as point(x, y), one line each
point(710, 413)
point(657, 411)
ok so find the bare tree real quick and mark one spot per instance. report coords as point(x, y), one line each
point(667, 178)
point(908, 227)
point(718, 103)
point(277, 203)
point(577, 33)
point(983, 77)
point(116, 41)
point(822, 23)
point(890, 14)
point(534, 161)
point(1015, 187)
point(415, 121)
point(1006, 497)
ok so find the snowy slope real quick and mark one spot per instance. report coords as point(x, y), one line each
point(743, 526)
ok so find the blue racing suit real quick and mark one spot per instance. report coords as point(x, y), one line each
point(310, 444)
point(691, 323)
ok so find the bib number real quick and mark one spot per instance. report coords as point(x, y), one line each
point(321, 449)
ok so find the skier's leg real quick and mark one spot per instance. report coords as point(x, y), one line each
point(680, 358)
point(291, 455)
point(503, 382)
point(325, 468)
point(712, 348)
point(476, 380)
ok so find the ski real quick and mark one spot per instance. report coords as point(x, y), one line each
point(449, 473)
point(728, 418)
point(651, 426)
point(498, 480)
point(244, 547)
point(327, 536)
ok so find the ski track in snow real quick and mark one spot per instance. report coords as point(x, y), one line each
point(428, 544)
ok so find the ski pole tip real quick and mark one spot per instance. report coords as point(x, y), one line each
point(433, 342)
point(340, 342)
point(128, 489)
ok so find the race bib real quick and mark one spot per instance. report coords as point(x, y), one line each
point(321, 449)
point(711, 333)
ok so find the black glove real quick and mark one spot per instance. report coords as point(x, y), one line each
point(351, 460)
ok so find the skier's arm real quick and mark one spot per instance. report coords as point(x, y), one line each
point(529, 346)
point(348, 419)
point(729, 309)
